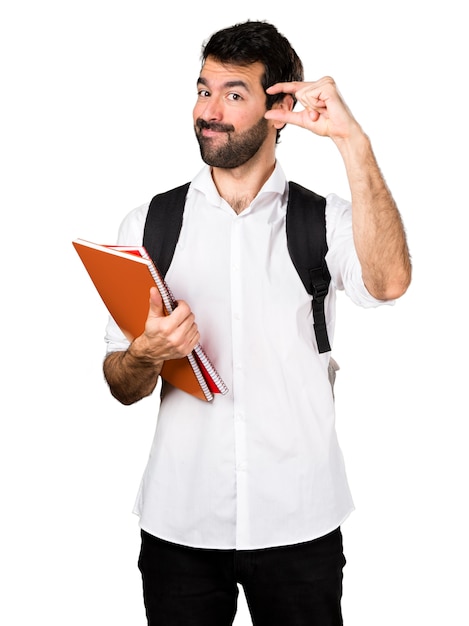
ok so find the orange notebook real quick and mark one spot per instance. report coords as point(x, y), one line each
point(123, 277)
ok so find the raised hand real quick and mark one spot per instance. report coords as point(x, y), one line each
point(325, 112)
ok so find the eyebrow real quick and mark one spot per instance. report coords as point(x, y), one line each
point(229, 84)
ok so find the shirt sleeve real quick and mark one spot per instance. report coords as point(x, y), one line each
point(130, 234)
point(342, 259)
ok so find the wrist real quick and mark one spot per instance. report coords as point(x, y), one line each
point(355, 138)
point(139, 354)
point(355, 149)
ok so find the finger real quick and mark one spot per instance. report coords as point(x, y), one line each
point(156, 303)
point(184, 335)
point(278, 115)
point(301, 118)
point(291, 87)
point(193, 338)
point(181, 313)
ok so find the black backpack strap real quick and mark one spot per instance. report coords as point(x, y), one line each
point(307, 245)
point(306, 238)
point(163, 225)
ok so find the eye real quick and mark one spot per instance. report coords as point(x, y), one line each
point(235, 97)
point(203, 93)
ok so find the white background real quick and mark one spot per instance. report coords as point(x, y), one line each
point(96, 118)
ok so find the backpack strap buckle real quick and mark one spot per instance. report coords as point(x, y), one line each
point(320, 279)
point(319, 290)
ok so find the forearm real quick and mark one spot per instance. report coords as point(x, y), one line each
point(378, 231)
point(133, 374)
point(130, 375)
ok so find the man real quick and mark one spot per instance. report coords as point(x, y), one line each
point(251, 487)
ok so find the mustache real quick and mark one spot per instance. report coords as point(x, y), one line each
point(221, 128)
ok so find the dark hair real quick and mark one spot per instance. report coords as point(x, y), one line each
point(251, 42)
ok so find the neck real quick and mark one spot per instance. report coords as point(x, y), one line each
point(239, 186)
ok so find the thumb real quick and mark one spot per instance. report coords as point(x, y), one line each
point(156, 304)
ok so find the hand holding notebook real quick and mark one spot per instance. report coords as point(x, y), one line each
point(123, 277)
point(168, 336)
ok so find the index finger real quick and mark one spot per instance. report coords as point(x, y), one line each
point(289, 87)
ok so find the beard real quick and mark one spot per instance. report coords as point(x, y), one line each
point(237, 149)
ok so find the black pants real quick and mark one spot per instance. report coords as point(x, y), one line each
point(298, 585)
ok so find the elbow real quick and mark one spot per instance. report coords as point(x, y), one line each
point(393, 292)
point(392, 288)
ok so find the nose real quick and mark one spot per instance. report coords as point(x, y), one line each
point(210, 110)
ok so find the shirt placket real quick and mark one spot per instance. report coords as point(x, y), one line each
point(238, 311)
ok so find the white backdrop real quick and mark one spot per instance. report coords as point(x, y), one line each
point(96, 118)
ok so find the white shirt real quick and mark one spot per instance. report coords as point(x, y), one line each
point(260, 466)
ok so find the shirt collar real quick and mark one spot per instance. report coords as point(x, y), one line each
point(203, 182)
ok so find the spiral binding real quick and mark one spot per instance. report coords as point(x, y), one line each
point(170, 304)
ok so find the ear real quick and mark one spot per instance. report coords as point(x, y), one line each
point(286, 104)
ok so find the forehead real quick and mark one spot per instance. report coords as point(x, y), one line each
point(217, 74)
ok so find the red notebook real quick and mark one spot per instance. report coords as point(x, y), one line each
point(123, 276)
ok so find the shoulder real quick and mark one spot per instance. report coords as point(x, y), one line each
point(338, 216)
point(337, 206)
point(131, 228)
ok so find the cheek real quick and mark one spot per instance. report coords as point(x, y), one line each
point(249, 120)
